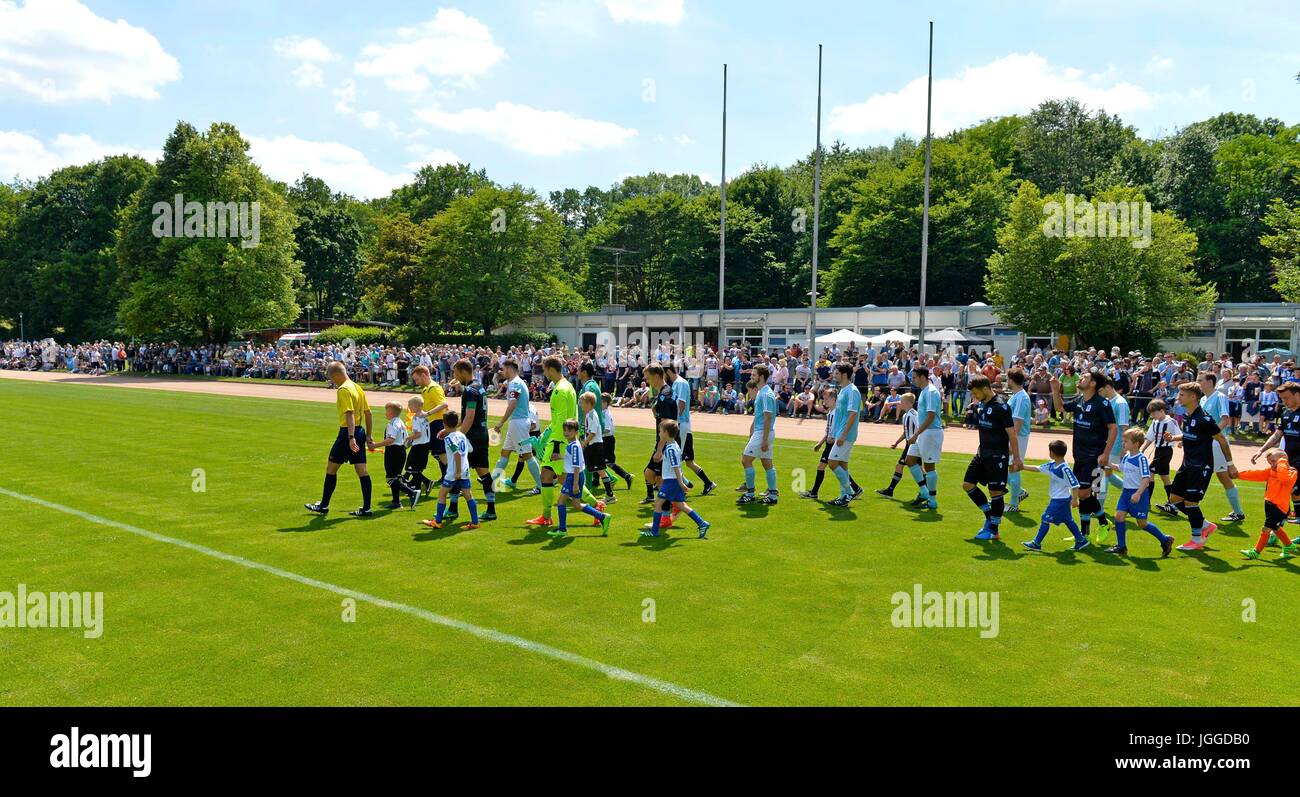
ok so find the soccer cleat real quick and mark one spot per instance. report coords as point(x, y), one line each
point(645, 501)
point(611, 498)
point(932, 504)
point(1118, 550)
point(1031, 545)
point(451, 514)
point(704, 530)
point(857, 493)
point(488, 515)
point(604, 524)
point(628, 479)
point(809, 495)
point(986, 534)
point(534, 491)
point(649, 533)
point(1232, 517)
point(747, 498)
point(393, 505)
point(363, 512)
point(1081, 544)
point(509, 484)
point(1292, 549)
point(1166, 547)
point(1023, 495)
point(431, 523)
point(1168, 509)
point(600, 506)
point(709, 489)
point(540, 520)
point(1192, 545)
point(920, 501)
point(1250, 553)
point(843, 500)
point(557, 533)
point(1100, 536)
point(317, 508)
point(1209, 529)
point(885, 493)
point(415, 497)
point(469, 526)
point(687, 483)
point(768, 498)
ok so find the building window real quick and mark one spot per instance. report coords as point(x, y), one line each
point(750, 336)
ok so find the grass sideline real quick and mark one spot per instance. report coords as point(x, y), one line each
point(784, 606)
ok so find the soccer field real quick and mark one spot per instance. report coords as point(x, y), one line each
point(784, 605)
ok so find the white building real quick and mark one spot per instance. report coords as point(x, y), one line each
point(1230, 326)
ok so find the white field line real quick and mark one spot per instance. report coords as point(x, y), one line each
point(501, 638)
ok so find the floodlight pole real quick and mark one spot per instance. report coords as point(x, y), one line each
point(925, 208)
point(722, 236)
point(817, 205)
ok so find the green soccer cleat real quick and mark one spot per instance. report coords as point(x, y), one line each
point(604, 524)
point(557, 533)
point(1283, 556)
point(1250, 553)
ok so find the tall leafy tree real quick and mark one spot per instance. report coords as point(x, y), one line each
point(392, 273)
point(1064, 146)
point(329, 246)
point(1099, 290)
point(434, 188)
point(1283, 244)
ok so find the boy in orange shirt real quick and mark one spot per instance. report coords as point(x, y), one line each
point(1279, 477)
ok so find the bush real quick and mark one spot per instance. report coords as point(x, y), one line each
point(414, 337)
point(361, 335)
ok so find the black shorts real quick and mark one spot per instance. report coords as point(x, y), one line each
point(1190, 483)
point(688, 448)
point(656, 467)
point(439, 448)
point(594, 454)
point(988, 468)
point(1274, 516)
point(1086, 468)
point(394, 462)
point(342, 454)
point(417, 458)
point(608, 442)
point(478, 457)
point(1160, 462)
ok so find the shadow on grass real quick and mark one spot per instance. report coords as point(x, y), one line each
point(431, 534)
point(321, 523)
point(993, 550)
point(661, 543)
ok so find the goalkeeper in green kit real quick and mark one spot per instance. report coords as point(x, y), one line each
point(550, 447)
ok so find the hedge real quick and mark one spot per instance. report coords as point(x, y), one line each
point(409, 336)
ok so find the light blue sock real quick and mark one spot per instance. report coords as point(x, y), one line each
point(500, 467)
point(771, 479)
point(749, 479)
point(1235, 500)
point(842, 474)
point(1013, 489)
point(536, 470)
point(919, 476)
point(932, 481)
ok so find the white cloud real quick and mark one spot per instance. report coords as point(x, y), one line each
point(342, 167)
point(683, 140)
point(452, 47)
point(530, 130)
point(370, 119)
point(61, 51)
point(309, 53)
point(660, 12)
point(1012, 84)
point(1160, 63)
point(430, 156)
point(26, 156)
point(346, 97)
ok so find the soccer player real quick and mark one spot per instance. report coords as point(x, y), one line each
point(671, 495)
point(1119, 407)
point(1280, 478)
point(1062, 497)
point(435, 406)
point(681, 389)
point(519, 437)
point(595, 456)
point(1158, 436)
point(473, 424)
point(1216, 406)
point(457, 478)
point(909, 420)
point(1135, 496)
point(1199, 435)
point(394, 445)
point(1022, 416)
point(664, 407)
point(355, 421)
point(564, 407)
point(762, 437)
point(572, 490)
point(1288, 429)
point(998, 455)
point(926, 444)
point(1094, 436)
point(418, 448)
point(611, 446)
point(844, 433)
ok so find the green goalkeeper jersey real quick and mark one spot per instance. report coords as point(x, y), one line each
point(564, 407)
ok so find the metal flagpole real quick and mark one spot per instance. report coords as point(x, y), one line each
point(925, 208)
point(817, 205)
point(722, 241)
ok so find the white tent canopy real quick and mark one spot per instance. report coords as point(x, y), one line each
point(844, 337)
point(951, 335)
point(892, 336)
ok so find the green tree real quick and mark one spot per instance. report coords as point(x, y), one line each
point(1283, 243)
point(1102, 291)
point(329, 241)
point(392, 273)
point(434, 188)
point(207, 285)
point(1063, 146)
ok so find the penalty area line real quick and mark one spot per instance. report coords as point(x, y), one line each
point(491, 635)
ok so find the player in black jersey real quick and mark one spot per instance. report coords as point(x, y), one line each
point(473, 424)
point(1199, 435)
point(999, 454)
point(1094, 436)
point(664, 405)
point(1288, 431)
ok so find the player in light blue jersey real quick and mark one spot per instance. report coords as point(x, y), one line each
point(844, 432)
point(519, 435)
point(1215, 404)
point(681, 390)
point(762, 439)
point(1022, 416)
point(926, 445)
point(1119, 407)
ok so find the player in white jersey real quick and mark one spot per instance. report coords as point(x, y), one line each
point(394, 445)
point(457, 479)
point(909, 420)
point(607, 428)
point(671, 495)
point(927, 441)
point(1135, 498)
point(519, 435)
point(575, 467)
point(1215, 404)
point(1062, 497)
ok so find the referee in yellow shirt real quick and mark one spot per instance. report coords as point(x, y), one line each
point(435, 407)
point(355, 421)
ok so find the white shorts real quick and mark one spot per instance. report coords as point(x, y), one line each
point(754, 447)
point(841, 453)
point(929, 446)
point(684, 430)
point(517, 436)
point(1220, 461)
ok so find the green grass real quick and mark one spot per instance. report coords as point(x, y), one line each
point(787, 606)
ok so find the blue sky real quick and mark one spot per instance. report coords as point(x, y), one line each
point(558, 93)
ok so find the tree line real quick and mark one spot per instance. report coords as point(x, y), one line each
point(453, 250)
